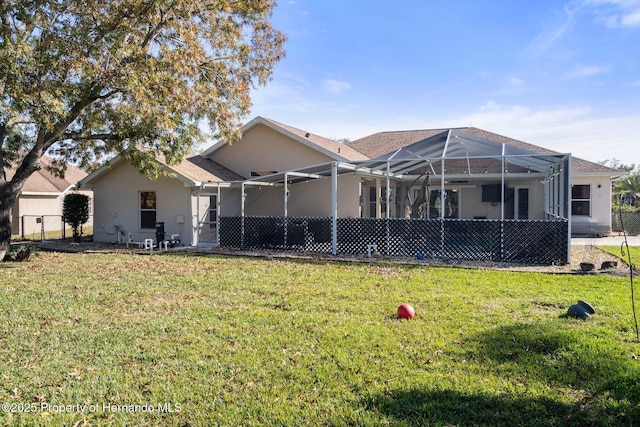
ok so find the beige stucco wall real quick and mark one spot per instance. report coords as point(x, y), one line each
point(264, 149)
point(600, 201)
point(30, 212)
point(312, 198)
point(117, 205)
point(471, 204)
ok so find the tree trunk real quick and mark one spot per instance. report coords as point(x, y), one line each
point(6, 203)
point(9, 192)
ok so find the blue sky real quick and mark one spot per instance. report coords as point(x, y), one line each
point(561, 74)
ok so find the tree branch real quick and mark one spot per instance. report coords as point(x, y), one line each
point(81, 136)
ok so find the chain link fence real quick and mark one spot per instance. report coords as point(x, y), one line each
point(45, 227)
point(630, 221)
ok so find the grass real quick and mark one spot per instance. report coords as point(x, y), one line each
point(236, 341)
point(623, 252)
point(52, 235)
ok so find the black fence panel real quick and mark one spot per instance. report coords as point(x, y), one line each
point(230, 231)
point(409, 237)
point(521, 241)
point(355, 234)
point(276, 233)
point(535, 242)
point(472, 239)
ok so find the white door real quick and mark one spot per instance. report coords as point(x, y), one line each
point(207, 219)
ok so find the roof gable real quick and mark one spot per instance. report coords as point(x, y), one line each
point(333, 149)
point(191, 171)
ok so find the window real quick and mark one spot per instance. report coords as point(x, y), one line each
point(581, 200)
point(148, 210)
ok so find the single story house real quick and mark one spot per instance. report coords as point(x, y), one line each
point(38, 208)
point(280, 187)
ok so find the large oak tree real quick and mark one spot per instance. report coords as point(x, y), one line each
point(83, 79)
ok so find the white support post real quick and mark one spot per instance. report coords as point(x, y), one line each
point(502, 182)
point(378, 197)
point(388, 196)
point(388, 212)
point(286, 195)
point(502, 169)
point(334, 208)
point(286, 209)
point(568, 187)
point(196, 239)
point(218, 205)
point(243, 196)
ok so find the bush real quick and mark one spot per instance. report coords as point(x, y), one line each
point(75, 212)
point(20, 252)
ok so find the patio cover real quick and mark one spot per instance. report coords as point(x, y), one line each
point(454, 145)
point(454, 153)
point(447, 154)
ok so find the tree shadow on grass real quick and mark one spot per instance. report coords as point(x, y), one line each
point(605, 383)
point(562, 357)
point(448, 407)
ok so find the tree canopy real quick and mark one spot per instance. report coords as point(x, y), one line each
point(80, 80)
point(628, 187)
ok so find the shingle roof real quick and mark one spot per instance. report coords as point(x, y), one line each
point(202, 169)
point(342, 150)
point(382, 143)
point(194, 170)
point(43, 181)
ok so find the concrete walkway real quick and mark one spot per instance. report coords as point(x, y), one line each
point(613, 240)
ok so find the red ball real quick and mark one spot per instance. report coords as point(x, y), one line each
point(406, 311)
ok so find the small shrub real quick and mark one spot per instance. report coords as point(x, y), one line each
point(75, 212)
point(20, 252)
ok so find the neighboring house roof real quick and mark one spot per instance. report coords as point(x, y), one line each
point(43, 181)
point(333, 149)
point(192, 170)
point(382, 143)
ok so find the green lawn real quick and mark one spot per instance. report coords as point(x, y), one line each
point(52, 235)
point(209, 340)
point(624, 252)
